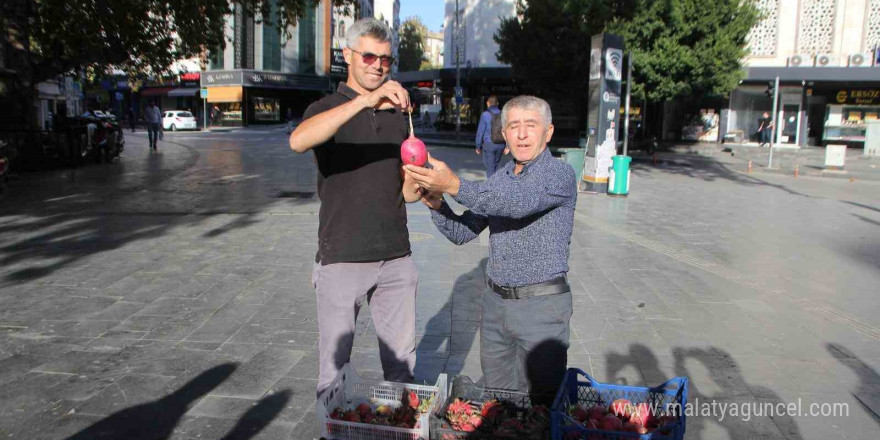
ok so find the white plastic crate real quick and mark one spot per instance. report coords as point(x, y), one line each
point(348, 390)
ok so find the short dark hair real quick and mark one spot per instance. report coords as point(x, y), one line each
point(492, 100)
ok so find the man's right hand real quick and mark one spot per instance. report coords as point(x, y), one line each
point(478, 151)
point(390, 94)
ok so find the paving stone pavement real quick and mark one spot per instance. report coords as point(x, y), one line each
point(168, 296)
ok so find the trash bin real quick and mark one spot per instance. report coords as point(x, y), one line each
point(618, 176)
point(575, 158)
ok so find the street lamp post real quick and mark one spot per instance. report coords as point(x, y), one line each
point(775, 119)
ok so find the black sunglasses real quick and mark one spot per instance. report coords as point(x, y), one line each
point(370, 58)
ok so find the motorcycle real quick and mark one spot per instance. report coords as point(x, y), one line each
point(99, 135)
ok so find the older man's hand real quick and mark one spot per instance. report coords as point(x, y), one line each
point(439, 178)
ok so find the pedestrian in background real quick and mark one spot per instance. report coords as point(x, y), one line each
point(363, 242)
point(528, 207)
point(489, 141)
point(765, 130)
point(289, 120)
point(154, 121)
point(131, 118)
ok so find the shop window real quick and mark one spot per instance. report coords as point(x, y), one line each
point(216, 58)
point(271, 40)
point(307, 43)
point(267, 109)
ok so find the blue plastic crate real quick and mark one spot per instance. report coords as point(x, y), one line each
point(579, 388)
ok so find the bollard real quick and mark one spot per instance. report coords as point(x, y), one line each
point(795, 171)
point(750, 166)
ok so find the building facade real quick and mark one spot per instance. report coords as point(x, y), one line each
point(825, 53)
point(435, 51)
point(389, 12)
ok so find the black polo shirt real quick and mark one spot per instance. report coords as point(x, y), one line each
point(363, 215)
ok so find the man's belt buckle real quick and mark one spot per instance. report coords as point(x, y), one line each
point(507, 292)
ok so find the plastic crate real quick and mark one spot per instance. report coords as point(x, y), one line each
point(348, 390)
point(463, 387)
point(579, 387)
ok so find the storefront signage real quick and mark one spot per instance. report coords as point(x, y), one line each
point(338, 66)
point(426, 84)
point(191, 76)
point(500, 89)
point(251, 78)
point(221, 78)
point(858, 96)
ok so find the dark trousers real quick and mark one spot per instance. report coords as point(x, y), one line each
point(491, 156)
point(765, 135)
point(153, 133)
point(524, 343)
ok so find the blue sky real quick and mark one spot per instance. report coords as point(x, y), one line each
point(430, 11)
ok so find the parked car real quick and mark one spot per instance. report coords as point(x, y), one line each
point(178, 120)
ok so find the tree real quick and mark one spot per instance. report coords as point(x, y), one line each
point(139, 37)
point(548, 44)
point(680, 47)
point(687, 48)
point(413, 42)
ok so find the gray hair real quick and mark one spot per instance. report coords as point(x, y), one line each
point(530, 103)
point(367, 27)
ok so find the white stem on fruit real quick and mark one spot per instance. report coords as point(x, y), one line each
point(411, 133)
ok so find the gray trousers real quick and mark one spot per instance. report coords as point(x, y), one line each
point(524, 343)
point(389, 287)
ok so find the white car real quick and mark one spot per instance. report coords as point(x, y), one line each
point(178, 120)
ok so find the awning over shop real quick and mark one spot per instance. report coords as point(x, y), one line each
point(155, 91)
point(797, 74)
point(183, 92)
point(224, 94)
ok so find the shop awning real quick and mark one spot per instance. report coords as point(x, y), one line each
point(183, 92)
point(224, 94)
point(816, 74)
point(155, 91)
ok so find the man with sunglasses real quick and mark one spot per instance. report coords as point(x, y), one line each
point(363, 242)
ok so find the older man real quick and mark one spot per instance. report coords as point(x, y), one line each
point(528, 206)
point(363, 242)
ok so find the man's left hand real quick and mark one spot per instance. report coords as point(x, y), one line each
point(437, 179)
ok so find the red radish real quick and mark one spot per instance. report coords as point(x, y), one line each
point(412, 399)
point(412, 150)
point(579, 413)
point(621, 408)
point(633, 427)
point(597, 412)
point(610, 423)
point(364, 409)
point(642, 414)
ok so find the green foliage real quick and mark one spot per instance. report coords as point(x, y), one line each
point(141, 37)
point(413, 42)
point(680, 47)
point(687, 47)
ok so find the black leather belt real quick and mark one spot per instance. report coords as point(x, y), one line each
point(552, 287)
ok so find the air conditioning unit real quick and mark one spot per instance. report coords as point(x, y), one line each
point(861, 59)
point(826, 60)
point(800, 60)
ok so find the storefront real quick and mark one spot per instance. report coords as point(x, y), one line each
point(245, 97)
point(817, 105)
point(178, 93)
point(436, 88)
point(847, 115)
